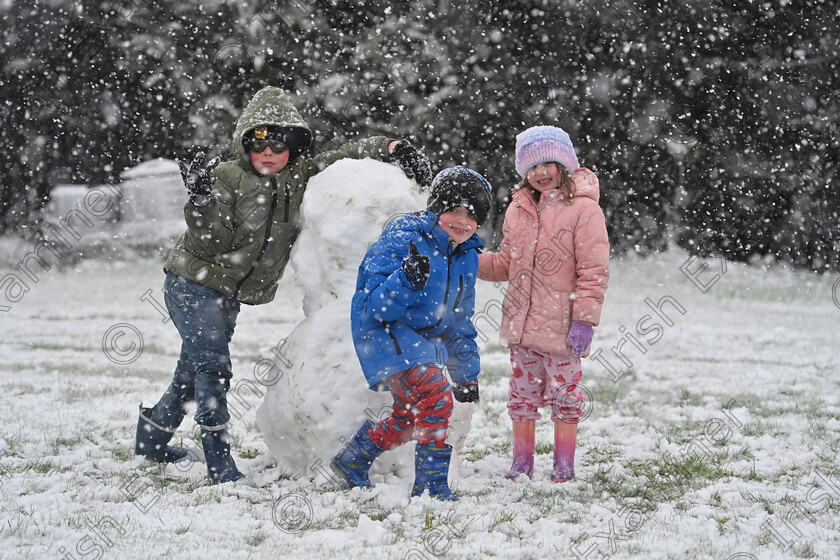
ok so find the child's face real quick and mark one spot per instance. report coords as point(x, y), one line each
point(268, 161)
point(458, 224)
point(544, 176)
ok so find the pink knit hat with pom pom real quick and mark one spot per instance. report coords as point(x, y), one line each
point(540, 144)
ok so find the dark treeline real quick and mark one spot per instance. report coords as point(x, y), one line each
point(711, 125)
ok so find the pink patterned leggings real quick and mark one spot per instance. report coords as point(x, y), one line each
point(544, 379)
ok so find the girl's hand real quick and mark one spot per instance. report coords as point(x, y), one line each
point(580, 337)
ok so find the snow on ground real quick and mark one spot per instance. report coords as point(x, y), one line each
point(735, 368)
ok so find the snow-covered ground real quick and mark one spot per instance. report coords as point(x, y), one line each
point(735, 367)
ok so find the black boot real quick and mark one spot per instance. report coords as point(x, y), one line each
point(152, 440)
point(220, 465)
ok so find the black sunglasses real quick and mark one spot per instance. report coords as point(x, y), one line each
point(258, 145)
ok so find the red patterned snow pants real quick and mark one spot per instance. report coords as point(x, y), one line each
point(421, 411)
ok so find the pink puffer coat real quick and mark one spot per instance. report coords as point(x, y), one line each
point(555, 256)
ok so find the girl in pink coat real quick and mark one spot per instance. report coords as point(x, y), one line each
point(555, 256)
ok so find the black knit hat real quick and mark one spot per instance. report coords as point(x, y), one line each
point(458, 186)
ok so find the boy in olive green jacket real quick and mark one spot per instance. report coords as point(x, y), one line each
point(241, 223)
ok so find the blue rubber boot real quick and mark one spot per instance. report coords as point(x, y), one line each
point(153, 439)
point(431, 470)
point(353, 462)
point(220, 465)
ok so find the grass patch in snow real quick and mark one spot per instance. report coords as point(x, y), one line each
point(760, 427)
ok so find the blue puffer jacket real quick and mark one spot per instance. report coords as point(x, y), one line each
point(396, 326)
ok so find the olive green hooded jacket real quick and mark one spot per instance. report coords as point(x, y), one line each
point(240, 243)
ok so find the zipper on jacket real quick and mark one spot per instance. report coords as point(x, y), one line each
point(460, 293)
point(266, 238)
point(286, 204)
point(446, 293)
point(393, 340)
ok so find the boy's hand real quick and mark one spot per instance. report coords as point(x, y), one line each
point(468, 392)
point(197, 180)
point(416, 267)
point(413, 162)
point(580, 337)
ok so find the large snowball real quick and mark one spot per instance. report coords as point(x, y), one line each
point(323, 398)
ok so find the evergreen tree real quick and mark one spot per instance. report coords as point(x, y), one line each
point(710, 125)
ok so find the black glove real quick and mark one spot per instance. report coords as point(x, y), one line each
point(468, 392)
point(413, 162)
point(197, 180)
point(416, 267)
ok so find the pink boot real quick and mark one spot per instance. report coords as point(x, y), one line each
point(565, 439)
point(523, 448)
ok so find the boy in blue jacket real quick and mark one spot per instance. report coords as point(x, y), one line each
point(411, 316)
